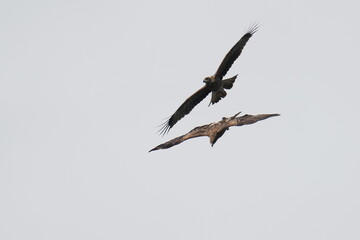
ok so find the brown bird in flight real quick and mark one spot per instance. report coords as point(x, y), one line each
point(215, 130)
point(213, 84)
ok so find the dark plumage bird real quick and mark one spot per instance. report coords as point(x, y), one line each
point(213, 84)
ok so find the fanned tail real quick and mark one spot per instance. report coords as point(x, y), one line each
point(216, 96)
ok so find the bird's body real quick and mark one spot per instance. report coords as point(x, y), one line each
point(214, 84)
point(217, 89)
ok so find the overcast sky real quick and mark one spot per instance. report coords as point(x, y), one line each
point(84, 85)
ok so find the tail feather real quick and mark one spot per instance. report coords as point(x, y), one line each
point(217, 96)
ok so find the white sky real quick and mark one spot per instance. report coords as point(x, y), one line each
point(83, 85)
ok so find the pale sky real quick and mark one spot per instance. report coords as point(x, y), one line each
point(84, 85)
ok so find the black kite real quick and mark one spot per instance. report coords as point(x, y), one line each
point(213, 84)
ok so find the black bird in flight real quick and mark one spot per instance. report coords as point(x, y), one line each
point(213, 84)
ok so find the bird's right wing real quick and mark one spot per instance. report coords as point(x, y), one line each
point(234, 53)
point(185, 108)
point(196, 132)
point(169, 144)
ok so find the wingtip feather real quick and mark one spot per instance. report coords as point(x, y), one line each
point(165, 128)
point(253, 28)
point(152, 149)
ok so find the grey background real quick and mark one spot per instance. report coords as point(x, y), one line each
point(84, 85)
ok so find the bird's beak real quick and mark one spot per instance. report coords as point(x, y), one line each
point(205, 80)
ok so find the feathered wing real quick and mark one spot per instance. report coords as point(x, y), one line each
point(234, 53)
point(185, 108)
point(250, 119)
point(169, 144)
point(196, 132)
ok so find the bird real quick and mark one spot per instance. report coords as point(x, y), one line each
point(214, 84)
point(215, 130)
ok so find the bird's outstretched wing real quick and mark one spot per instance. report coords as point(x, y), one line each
point(185, 108)
point(234, 52)
point(169, 144)
point(199, 131)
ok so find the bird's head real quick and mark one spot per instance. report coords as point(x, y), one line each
point(207, 80)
